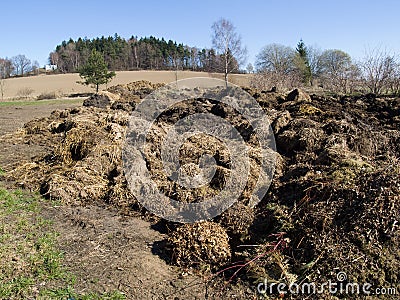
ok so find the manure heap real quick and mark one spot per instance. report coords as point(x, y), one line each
point(333, 203)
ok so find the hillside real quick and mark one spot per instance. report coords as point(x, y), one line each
point(66, 84)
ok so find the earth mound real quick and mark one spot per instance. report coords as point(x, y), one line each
point(332, 205)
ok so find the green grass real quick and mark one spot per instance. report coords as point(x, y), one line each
point(30, 263)
point(40, 102)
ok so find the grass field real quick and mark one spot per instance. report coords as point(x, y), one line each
point(66, 84)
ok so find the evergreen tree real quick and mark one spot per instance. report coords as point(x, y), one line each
point(302, 62)
point(301, 49)
point(95, 71)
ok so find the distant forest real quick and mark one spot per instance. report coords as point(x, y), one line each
point(146, 53)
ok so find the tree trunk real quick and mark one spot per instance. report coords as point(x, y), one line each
point(136, 58)
point(226, 79)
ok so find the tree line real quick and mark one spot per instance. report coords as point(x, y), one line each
point(18, 65)
point(283, 67)
point(276, 65)
point(147, 53)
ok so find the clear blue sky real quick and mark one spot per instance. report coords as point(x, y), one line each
point(34, 28)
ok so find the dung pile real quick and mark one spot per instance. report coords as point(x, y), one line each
point(122, 96)
point(130, 94)
point(335, 199)
point(196, 146)
point(332, 206)
point(101, 99)
point(199, 243)
point(85, 153)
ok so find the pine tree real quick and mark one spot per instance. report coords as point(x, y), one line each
point(302, 62)
point(95, 71)
point(301, 49)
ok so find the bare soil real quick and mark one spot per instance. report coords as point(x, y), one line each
point(66, 84)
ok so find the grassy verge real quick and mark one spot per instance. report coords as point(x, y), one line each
point(30, 263)
point(40, 102)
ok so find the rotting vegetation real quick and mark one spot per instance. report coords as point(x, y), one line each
point(332, 205)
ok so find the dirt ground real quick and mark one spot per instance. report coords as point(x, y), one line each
point(108, 252)
point(105, 250)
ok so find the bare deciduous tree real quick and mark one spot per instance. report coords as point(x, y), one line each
point(5, 72)
point(2, 81)
point(337, 71)
point(394, 83)
point(378, 70)
point(228, 44)
point(276, 67)
point(21, 64)
point(35, 67)
point(6, 67)
point(54, 58)
point(314, 56)
point(2, 87)
point(250, 68)
point(277, 58)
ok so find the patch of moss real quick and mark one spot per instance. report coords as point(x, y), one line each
point(308, 109)
point(349, 170)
